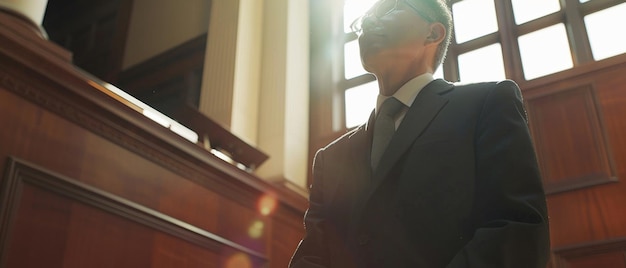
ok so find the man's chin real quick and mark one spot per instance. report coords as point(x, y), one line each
point(369, 61)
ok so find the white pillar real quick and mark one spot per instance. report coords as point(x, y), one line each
point(246, 87)
point(284, 106)
point(256, 81)
point(34, 10)
point(232, 68)
point(216, 95)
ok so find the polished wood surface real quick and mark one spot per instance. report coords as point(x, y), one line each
point(578, 121)
point(88, 181)
point(170, 83)
point(575, 154)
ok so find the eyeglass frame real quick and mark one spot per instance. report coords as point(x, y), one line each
point(355, 26)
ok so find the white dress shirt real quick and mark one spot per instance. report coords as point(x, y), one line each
point(406, 94)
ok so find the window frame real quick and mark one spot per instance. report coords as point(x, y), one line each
point(328, 118)
point(571, 14)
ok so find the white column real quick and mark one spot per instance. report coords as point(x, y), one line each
point(284, 106)
point(256, 81)
point(34, 10)
point(231, 78)
point(246, 87)
point(216, 97)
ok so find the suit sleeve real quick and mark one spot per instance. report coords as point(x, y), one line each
point(313, 251)
point(510, 215)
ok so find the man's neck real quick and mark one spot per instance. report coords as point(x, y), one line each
point(391, 81)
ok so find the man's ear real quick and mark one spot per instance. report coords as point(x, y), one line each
point(437, 33)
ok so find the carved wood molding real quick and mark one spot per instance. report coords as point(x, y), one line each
point(128, 129)
point(564, 256)
point(570, 138)
point(20, 173)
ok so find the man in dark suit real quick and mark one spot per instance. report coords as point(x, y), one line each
point(441, 175)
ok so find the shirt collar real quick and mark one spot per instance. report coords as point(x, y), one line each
point(408, 92)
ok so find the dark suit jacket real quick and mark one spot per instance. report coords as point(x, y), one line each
point(458, 186)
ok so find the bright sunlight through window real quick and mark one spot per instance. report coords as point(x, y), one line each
point(468, 25)
point(360, 101)
point(527, 10)
point(352, 60)
point(483, 64)
point(352, 9)
point(605, 42)
point(545, 51)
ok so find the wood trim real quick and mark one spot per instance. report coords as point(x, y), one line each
point(78, 99)
point(477, 43)
point(20, 173)
point(597, 5)
point(604, 172)
point(588, 69)
point(26, 22)
point(11, 25)
point(576, 30)
point(508, 37)
point(563, 255)
point(357, 81)
point(540, 23)
point(146, 81)
point(130, 129)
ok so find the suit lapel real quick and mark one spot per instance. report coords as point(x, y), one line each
point(360, 145)
point(424, 109)
point(361, 173)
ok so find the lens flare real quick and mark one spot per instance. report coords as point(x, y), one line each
point(239, 260)
point(267, 204)
point(256, 229)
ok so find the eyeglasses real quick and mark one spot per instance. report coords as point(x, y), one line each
point(383, 8)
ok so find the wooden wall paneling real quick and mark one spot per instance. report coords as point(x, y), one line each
point(570, 139)
point(587, 224)
point(97, 229)
point(131, 137)
point(606, 253)
point(613, 100)
point(58, 119)
point(285, 237)
point(108, 166)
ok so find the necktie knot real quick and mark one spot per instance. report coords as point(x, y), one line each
point(390, 107)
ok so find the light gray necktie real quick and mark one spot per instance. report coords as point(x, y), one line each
point(384, 127)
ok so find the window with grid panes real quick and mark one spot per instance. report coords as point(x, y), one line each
point(497, 39)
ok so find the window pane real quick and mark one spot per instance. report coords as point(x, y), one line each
point(481, 65)
point(439, 72)
point(473, 19)
point(601, 25)
point(545, 51)
point(353, 9)
point(352, 60)
point(584, 1)
point(360, 101)
point(527, 10)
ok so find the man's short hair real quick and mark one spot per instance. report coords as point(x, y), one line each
point(439, 11)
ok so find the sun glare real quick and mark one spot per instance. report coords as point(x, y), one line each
point(352, 9)
point(267, 204)
point(543, 52)
point(238, 260)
